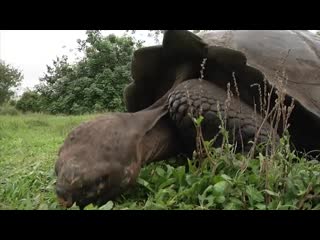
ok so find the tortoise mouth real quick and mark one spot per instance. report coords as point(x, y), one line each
point(96, 194)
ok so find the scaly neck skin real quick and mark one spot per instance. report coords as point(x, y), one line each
point(159, 143)
point(158, 140)
point(152, 144)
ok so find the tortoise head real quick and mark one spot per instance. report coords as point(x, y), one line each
point(102, 158)
point(91, 167)
point(83, 183)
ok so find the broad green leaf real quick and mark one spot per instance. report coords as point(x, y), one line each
point(43, 206)
point(198, 120)
point(261, 206)
point(220, 187)
point(90, 207)
point(108, 206)
point(236, 201)
point(191, 179)
point(169, 170)
point(220, 199)
point(208, 190)
point(160, 171)
point(164, 194)
point(180, 174)
point(254, 194)
point(271, 193)
point(231, 206)
point(226, 177)
point(145, 184)
point(167, 183)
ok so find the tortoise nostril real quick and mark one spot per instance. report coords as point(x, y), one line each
point(64, 199)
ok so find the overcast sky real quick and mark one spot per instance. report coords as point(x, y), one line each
point(32, 50)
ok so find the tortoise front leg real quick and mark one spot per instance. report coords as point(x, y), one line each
point(194, 97)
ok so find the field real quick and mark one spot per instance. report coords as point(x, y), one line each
point(28, 150)
point(29, 145)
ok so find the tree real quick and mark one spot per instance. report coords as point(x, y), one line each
point(10, 78)
point(95, 83)
point(29, 101)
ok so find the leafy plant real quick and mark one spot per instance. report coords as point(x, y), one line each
point(93, 84)
point(10, 78)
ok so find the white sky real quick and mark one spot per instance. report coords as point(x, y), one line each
point(32, 50)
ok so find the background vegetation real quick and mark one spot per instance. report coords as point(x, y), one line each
point(93, 84)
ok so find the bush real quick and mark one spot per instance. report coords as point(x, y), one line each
point(12, 102)
point(7, 109)
point(29, 102)
point(93, 84)
point(10, 78)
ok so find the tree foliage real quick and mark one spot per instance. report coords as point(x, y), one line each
point(10, 77)
point(29, 101)
point(93, 84)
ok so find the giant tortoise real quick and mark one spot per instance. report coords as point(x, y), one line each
point(188, 75)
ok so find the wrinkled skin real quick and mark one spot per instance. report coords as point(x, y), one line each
point(102, 158)
point(195, 97)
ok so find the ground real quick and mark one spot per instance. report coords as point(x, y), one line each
point(28, 150)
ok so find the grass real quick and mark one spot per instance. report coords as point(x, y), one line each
point(28, 150)
point(225, 180)
point(7, 109)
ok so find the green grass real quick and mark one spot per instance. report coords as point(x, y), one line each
point(28, 150)
point(225, 180)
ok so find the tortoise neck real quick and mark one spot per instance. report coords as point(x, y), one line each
point(160, 142)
